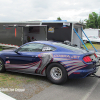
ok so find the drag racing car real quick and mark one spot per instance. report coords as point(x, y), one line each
point(55, 60)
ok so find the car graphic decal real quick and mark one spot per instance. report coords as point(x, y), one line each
point(21, 66)
point(70, 65)
point(46, 58)
point(39, 67)
point(70, 72)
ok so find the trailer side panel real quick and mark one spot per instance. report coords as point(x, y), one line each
point(10, 35)
point(58, 31)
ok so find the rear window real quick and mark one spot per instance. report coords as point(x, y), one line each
point(66, 46)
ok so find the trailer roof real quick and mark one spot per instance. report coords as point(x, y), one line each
point(39, 22)
point(24, 22)
point(53, 21)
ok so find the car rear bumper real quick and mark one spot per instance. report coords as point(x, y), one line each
point(82, 73)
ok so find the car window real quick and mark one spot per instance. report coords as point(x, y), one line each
point(32, 47)
point(48, 48)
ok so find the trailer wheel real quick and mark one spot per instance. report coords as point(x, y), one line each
point(85, 41)
point(56, 73)
point(2, 67)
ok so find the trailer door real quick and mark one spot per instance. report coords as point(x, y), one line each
point(76, 40)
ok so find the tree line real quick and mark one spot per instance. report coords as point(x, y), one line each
point(93, 21)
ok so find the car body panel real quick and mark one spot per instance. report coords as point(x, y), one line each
point(37, 62)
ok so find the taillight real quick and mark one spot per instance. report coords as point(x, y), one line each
point(95, 55)
point(87, 59)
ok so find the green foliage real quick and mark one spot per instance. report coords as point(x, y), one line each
point(93, 21)
point(0, 48)
point(58, 18)
point(89, 46)
point(99, 22)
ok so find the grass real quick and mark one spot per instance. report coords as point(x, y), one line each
point(0, 48)
point(89, 46)
point(17, 80)
point(11, 80)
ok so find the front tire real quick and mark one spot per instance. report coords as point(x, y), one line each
point(56, 73)
point(2, 67)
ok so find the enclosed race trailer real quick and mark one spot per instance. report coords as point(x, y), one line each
point(18, 33)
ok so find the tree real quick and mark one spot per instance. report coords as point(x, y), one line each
point(92, 21)
point(99, 22)
point(58, 18)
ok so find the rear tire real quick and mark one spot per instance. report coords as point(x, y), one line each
point(56, 73)
point(2, 67)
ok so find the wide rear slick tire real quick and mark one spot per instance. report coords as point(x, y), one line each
point(56, 73)
point(2, 67)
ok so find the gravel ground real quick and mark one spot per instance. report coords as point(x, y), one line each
point(27, 86)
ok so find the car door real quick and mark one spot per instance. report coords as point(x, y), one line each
point(24, 59)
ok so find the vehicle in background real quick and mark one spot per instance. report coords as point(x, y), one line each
point(92, 39)
point(92, 32)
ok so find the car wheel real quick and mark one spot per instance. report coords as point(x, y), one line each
point(2, 67)
point(56, 73)
point(85, 41)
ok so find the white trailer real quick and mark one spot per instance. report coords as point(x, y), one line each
point(92, 32)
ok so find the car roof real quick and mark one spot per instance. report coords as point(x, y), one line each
point(45, 42)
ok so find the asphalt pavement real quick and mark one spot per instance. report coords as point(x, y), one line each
point(75, 89)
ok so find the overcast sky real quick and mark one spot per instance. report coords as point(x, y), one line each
point(29, 10)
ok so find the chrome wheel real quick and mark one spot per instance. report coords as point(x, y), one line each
point(56, 73)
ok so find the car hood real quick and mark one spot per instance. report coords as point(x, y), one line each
point(6, 51)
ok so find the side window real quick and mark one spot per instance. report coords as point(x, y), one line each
point(48, 48)
point(32, 47)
